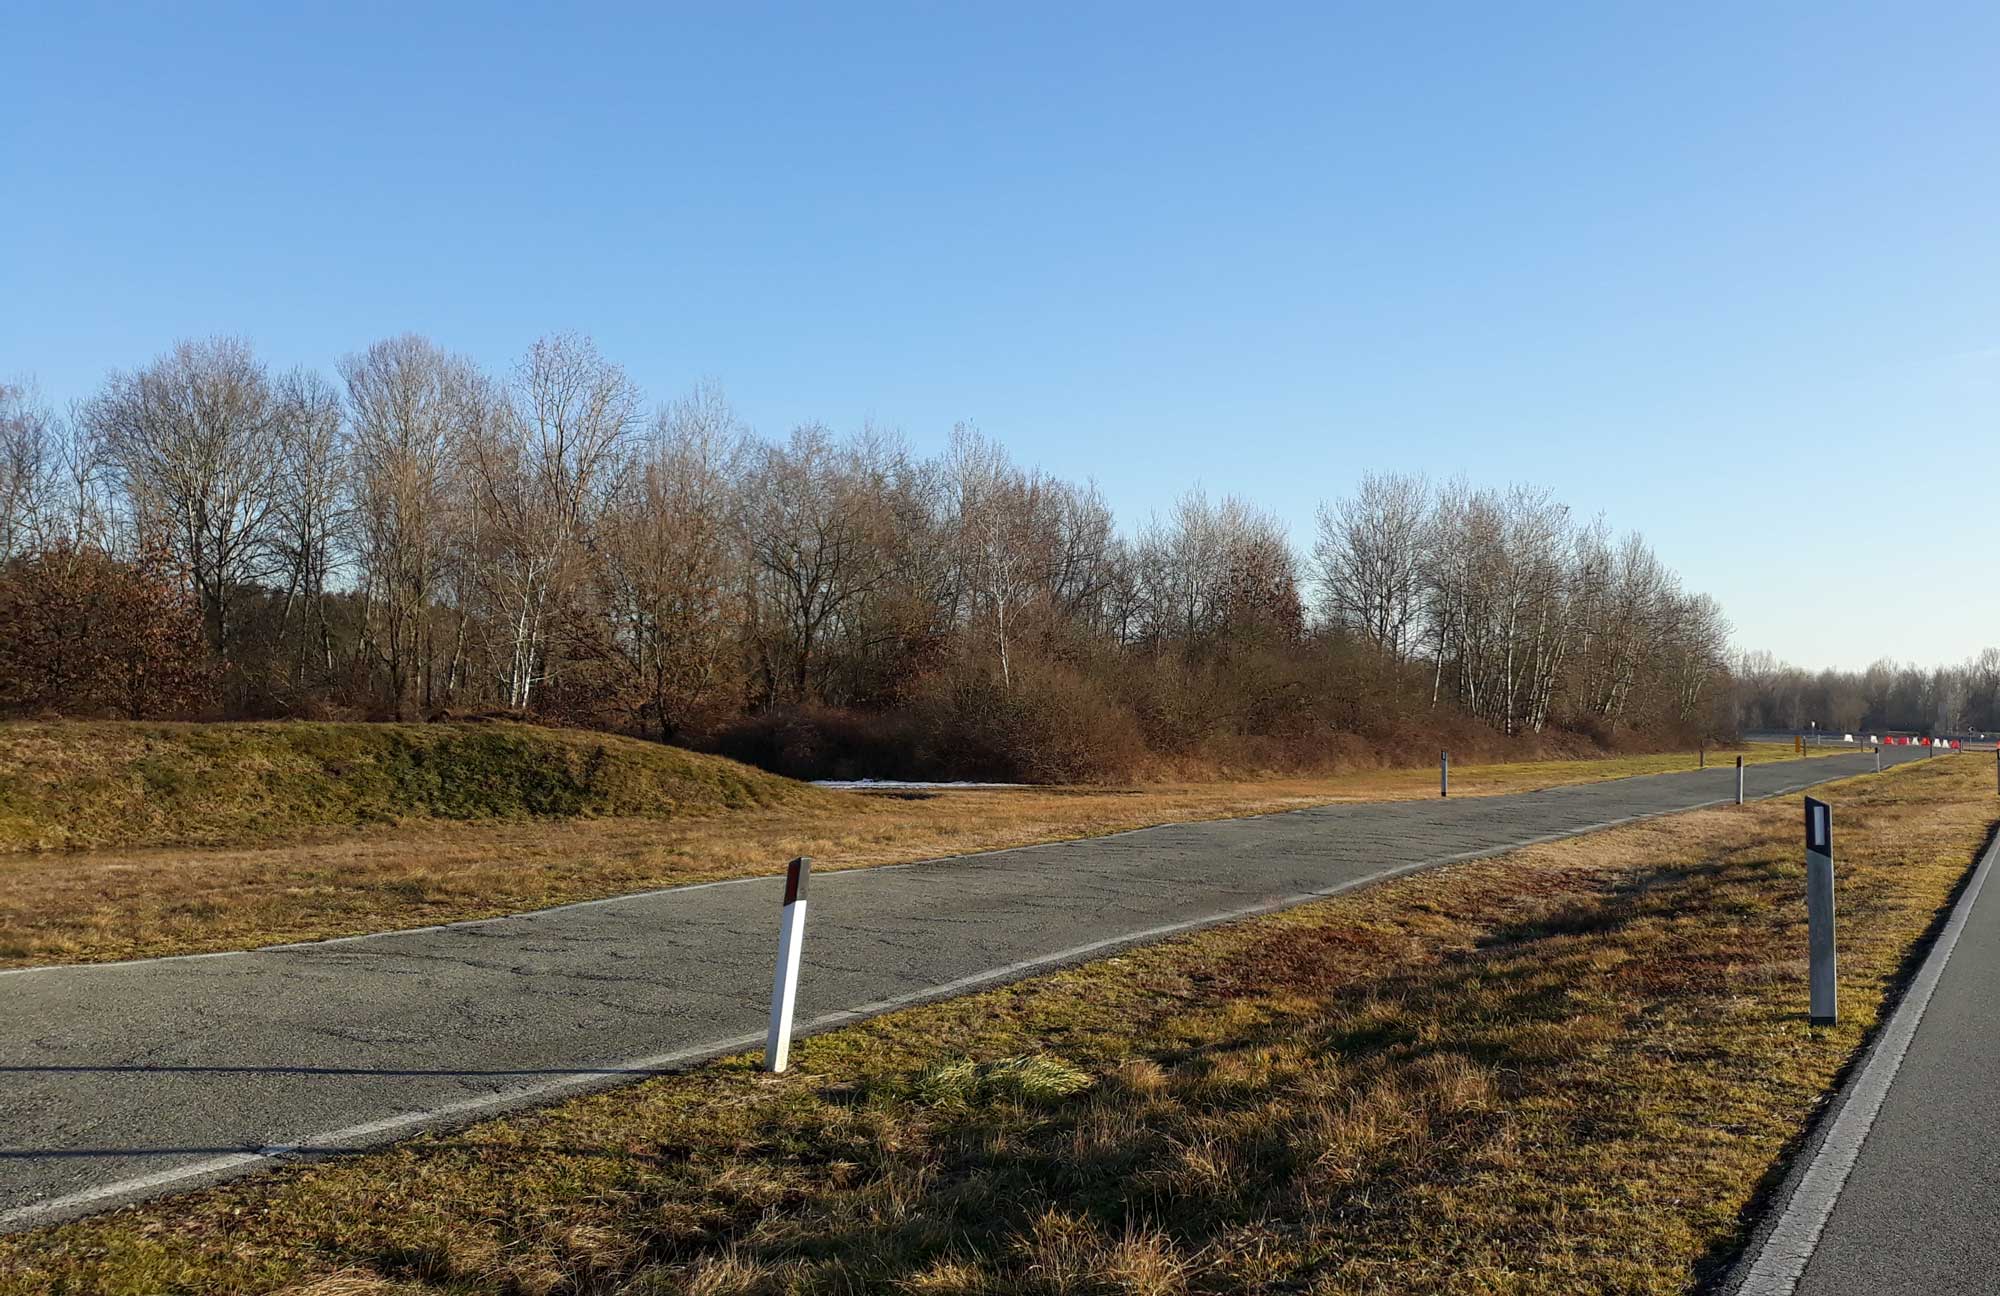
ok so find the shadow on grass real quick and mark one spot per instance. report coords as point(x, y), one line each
point(1392, 1088)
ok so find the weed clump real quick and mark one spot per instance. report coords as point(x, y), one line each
point(1032, 1079)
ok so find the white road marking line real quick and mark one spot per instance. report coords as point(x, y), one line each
point(24, 1216)
point(1782, 1255)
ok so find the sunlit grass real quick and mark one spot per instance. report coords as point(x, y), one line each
point(80, 785)
point(133, 903)
point(1566, 1070)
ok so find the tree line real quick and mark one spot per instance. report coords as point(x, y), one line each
point(1888, 695)
point(416, 536)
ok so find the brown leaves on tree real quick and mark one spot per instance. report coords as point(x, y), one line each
point(88, 633)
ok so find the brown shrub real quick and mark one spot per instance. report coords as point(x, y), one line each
point(86, 633)
point(1125, 716)
point(1047, 725)
point(812, 742)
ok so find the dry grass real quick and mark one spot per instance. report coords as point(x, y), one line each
point(78, 785)
point(1562, 1071)
point(91, 906)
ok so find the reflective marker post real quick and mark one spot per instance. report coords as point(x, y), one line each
point(1444, 773)
point(1819, 911)
point(1739, 780)
point(785, 990)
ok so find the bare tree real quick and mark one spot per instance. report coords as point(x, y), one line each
point(1087, 554)
point(915, 614)
point(1694, 646)
point(1515, 597)
point(1536, 628)
point(813, 529)
point(546, 464)
point(415, 413)
point(309, 523)
point(85, 509)
point(1000, 519)
point(536, 545)
point(1368, 559)
point(194, 439)
point(1983, 689)
point(1629, 615)
point(666, 577)
point(28, 468)
point(1184, 565)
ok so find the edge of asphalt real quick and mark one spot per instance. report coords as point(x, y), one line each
point(358, 1138)
point(1775, 1258)
point(461, 924)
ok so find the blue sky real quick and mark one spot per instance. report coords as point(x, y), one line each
point(1714, 271)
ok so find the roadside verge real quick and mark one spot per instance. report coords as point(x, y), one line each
point(1783, 1244)
point(1564, 1069)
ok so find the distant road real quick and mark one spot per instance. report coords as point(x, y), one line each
point(1830, 741)
point(122, 1081)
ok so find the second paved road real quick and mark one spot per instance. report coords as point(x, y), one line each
point(121, 1081)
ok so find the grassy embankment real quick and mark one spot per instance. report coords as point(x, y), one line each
point(125, 841)
point(85, 785)
point(1567, 1070)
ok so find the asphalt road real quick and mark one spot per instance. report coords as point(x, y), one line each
point(128, 1080)
point(1917, 1211)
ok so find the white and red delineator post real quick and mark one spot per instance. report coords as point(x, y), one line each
point(785, 989)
